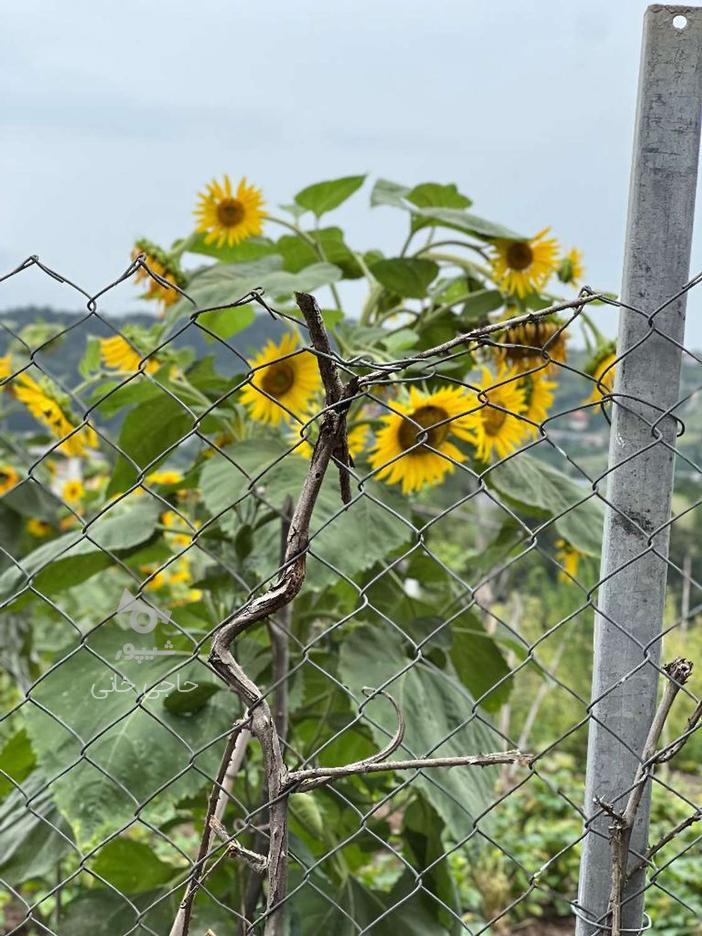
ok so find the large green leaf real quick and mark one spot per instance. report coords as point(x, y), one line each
point(102, 912)
point(439, 717)
point(131, 866)
point(142, 755)
point(17, 760)
point(30, 499)
point(148, 431)
point(298, 253)
point(31, 840)
point(435, 195)
point(356, 538)
point(253, 248)
point(406, 276)
point(536, 488)
point(324, 196)
point(74, 557)
point(450, 216)
point(227, 322)
point(479, 662)
point(405, 910)
point(423, 833)
point(223, 284)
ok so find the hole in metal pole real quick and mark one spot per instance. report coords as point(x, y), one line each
point(679, 21)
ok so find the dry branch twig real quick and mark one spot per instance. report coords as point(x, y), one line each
point(678, 672)
point(331, 444)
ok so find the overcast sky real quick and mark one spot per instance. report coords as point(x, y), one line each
point(115, 114)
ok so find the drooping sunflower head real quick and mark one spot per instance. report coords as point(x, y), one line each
point(227, 217)
point(284, 381)
point(498, 403)
point(520, 267)
point(413, 448)
point(9, 478)
point(541, 343)
point(538, 399)
point(40, 400)
point(163, 265)
point(571, 269)
point(601, 368)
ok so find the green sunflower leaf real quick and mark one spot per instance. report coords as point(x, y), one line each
point(406, 276)
point(543, 491)
point(298, 253)
point(253, 248)
point(437, 205)
point(224, 284)
point(325, 196)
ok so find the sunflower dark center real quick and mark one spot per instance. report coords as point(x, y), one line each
point(493, 420)
point(230, 212)
point(278, 379)
point(519, 255)
point(427, 417)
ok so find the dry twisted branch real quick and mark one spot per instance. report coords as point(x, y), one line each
point(331, 444)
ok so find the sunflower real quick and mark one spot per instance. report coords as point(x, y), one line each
point(538, 399)
point(170, 476)
point(159, 580)
point(38, 528)
point(283, 380)
point(534, 344)
point(413, 447)
point(501, 399)
point(163, 265)
point(119, 355)
point(571, 269)
point(47, 411)
point(227, 218)
point(5, 366)
point(9, 478)
point(521, 267)
point(569, 557)
point(72, 491)
point(601, 368)
point(181, 535)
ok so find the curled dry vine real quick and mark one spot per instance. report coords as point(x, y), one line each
point(331, 445)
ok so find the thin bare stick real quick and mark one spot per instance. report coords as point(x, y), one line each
point(181, 924)
point(279, 636)
point(333, 386)
point(258, 862)
point(663, 841)
point(308, 779)
point(280, 594)
point(676, 746)
point(678, 672)
point(476, 336)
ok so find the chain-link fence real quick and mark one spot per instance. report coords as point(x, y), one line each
point(298, 638)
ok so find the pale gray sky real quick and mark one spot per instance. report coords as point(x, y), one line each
point(115, 114)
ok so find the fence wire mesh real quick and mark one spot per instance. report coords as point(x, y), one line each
point(157, 505)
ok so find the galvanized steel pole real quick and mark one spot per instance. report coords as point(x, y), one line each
point(640, 480)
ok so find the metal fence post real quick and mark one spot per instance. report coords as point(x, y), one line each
point(630, 600)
